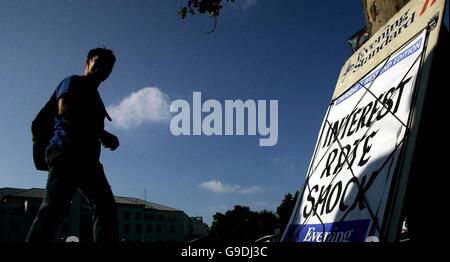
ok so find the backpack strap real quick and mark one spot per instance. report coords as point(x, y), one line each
point(104, 108)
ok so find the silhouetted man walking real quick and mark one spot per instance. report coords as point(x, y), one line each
point(74, 151)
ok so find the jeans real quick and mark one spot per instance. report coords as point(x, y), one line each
point(67, 173)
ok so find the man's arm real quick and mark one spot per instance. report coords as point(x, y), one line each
point(107, 139)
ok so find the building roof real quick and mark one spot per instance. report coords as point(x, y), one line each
point(7, 191)
point(140, 202)
point(19, 192)
point(40, 192)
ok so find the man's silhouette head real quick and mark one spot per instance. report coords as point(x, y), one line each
point(99, 64)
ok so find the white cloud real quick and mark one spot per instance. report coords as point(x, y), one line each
point(148, 105)
point(219, 187)
point(249, 190)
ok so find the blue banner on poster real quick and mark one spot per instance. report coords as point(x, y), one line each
point(346, 231)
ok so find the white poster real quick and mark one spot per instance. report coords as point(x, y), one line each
point(357, 153)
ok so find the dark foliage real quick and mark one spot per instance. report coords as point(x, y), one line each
point(242, 224)
point(211, 7)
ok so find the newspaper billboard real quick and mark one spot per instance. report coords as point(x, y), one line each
point(355, 185)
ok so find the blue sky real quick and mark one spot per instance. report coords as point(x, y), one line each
point(291, 51)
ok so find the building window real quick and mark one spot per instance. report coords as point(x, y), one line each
point(138, 229)
point(159, 229)
point(161, 217)
point(138, 215)
point(126, 228)
point(172, 229)
point(149, 217)
point(149, 229)
point(126, 215)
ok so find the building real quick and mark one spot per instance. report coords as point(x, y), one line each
point(139, 220)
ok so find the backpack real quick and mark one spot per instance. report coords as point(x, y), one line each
point(42, 130)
